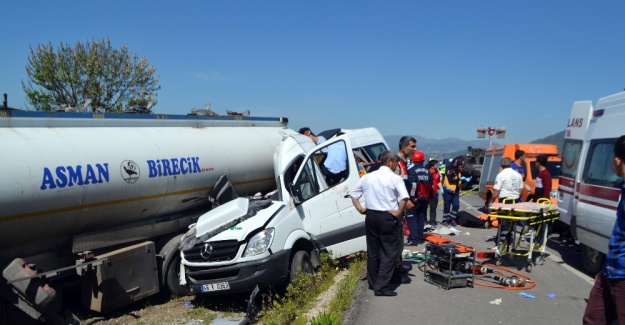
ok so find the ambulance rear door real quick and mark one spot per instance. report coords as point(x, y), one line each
point(570, 171)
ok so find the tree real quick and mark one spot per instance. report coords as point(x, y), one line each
point(70, 76)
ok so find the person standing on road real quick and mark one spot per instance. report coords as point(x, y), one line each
point(437, 187)
point(386, 197)
point(407, 146)
point(420, 190)
point(507, 188)
point(606, 301)
point(508, 184)
point(451, 191)
point(519, 163)
point(543, 179)
point(519, 166)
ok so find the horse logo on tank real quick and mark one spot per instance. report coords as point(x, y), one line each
point(130, 171)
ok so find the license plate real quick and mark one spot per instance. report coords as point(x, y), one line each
point(215, 286)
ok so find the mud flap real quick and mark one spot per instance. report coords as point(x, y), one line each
point(129, 274)
point(34, 290)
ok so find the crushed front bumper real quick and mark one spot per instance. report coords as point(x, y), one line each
point(271, 270)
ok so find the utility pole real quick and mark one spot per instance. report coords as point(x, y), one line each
point(491, 130)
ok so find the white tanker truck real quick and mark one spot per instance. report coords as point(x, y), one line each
point(105, 199)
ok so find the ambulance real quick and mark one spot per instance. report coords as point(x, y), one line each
point(590, 189)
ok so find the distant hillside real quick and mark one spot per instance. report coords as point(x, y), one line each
point(451, 147)
point(439, 148)
point(557, 139)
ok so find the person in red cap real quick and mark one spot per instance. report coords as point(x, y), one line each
point(420, 190)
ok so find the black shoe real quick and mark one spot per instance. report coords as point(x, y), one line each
point(404, 279)
point(386, 292)
point(400, 269)
point(410, 243)
point(420, 242)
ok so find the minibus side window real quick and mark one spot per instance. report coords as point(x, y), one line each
point(496, 167)
point(315, 177)
point(554, 168)
point(308, 182)
point(534, 168)
point(375, 150)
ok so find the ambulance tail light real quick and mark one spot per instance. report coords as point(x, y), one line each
point(598, 113)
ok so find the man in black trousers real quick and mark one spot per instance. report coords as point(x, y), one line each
point(386, 197)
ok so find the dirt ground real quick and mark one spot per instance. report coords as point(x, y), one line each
point(192, 310)
point(164, 309)
point(183, 310)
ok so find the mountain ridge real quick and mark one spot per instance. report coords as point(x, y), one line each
point(451, 147)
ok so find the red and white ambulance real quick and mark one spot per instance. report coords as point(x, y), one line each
point(589, 190)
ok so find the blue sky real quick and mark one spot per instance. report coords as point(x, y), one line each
point(436, 69)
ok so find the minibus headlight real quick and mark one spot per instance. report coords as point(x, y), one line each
point(260, 243)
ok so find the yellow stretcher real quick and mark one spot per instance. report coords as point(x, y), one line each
point(536, 216)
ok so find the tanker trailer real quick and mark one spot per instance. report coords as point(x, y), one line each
point(82, 190)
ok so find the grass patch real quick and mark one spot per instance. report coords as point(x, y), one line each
point(199, 312)
point(345, 292)
point(299, 296)
point(302, 293)
point(326, 319)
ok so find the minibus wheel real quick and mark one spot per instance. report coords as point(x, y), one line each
point(300, 263)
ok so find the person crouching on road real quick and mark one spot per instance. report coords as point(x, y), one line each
point(606, 301)
point(386, 197)
point(420, 182)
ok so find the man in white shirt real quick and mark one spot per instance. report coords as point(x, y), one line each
point(507, 188)
point(508, 184)
point(386, 197)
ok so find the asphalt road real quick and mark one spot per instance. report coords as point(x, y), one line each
point(419, 301)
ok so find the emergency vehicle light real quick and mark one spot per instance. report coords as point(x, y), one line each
point(598, 112)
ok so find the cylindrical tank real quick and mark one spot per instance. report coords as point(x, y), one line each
point(62, 181)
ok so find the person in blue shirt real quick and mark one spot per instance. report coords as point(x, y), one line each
point(606, 302)
point(519, 162)
point(334, 167)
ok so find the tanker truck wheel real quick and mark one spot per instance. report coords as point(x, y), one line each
point(170, 267)
point(300, 263)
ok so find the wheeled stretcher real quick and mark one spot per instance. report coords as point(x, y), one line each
point(536, 216)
